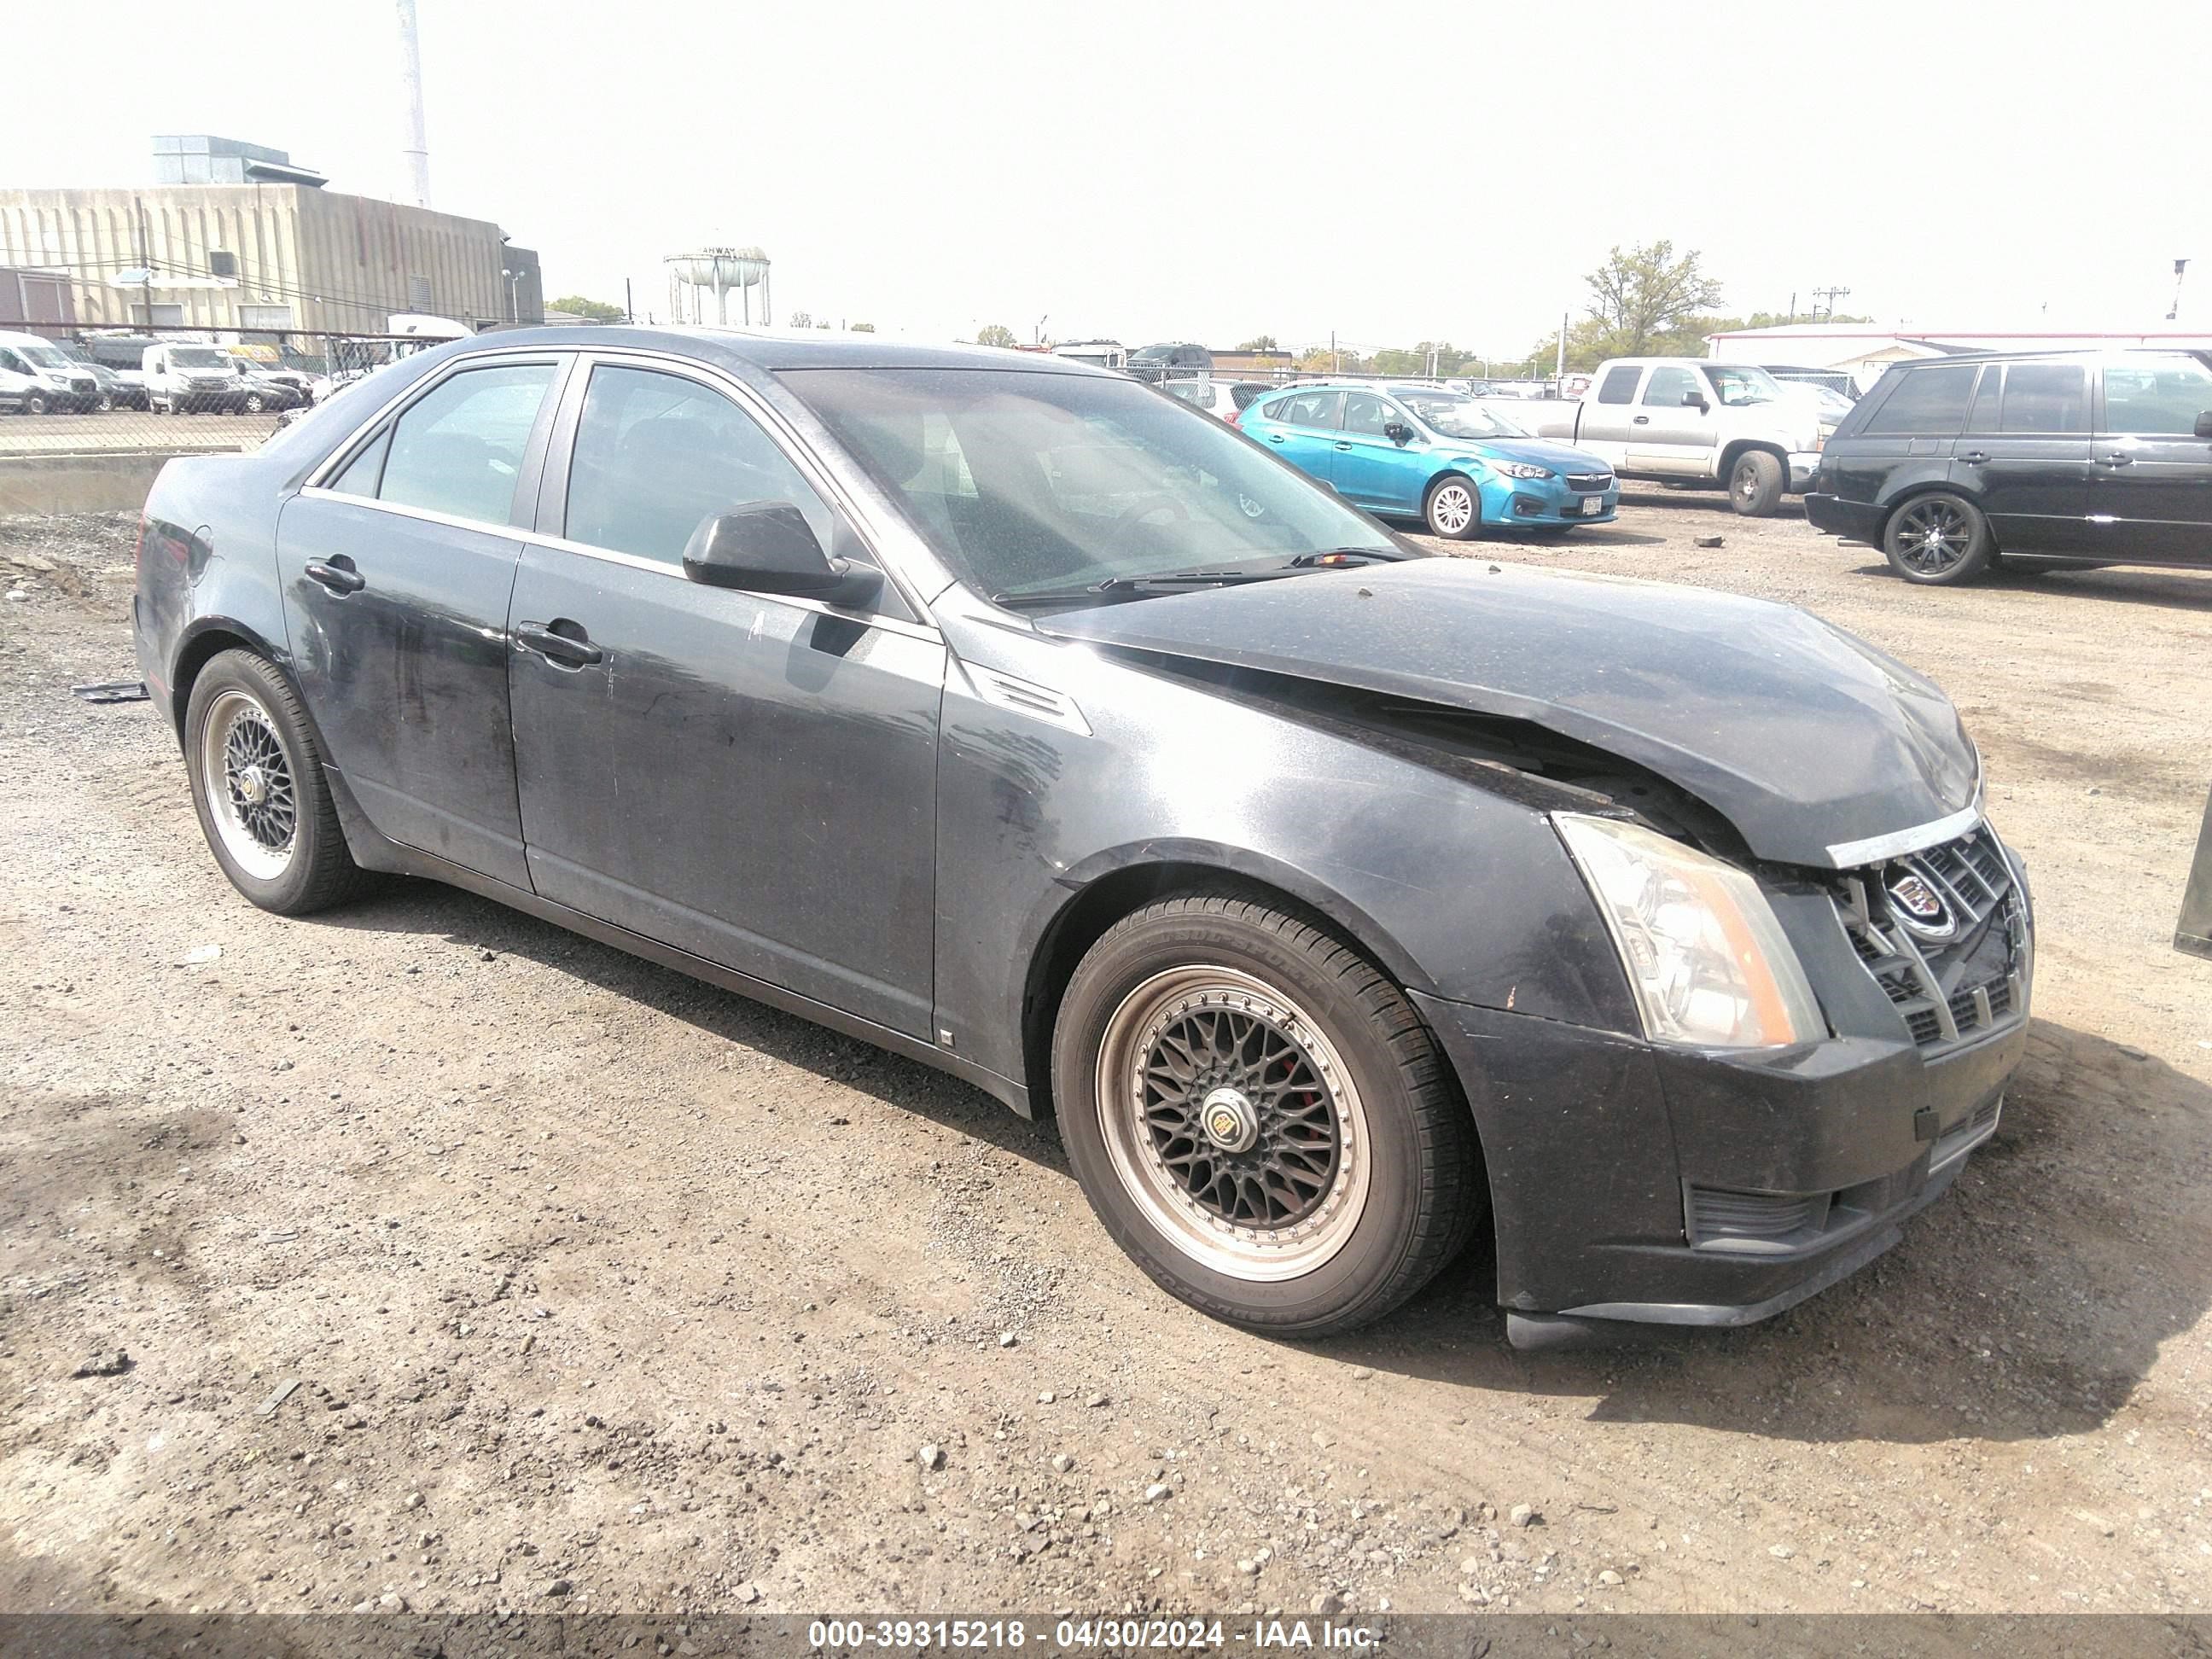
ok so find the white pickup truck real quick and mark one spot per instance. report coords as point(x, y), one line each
point(1690, 421)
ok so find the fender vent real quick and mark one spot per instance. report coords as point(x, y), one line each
point(1027, 697)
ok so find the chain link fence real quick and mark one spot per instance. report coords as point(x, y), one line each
point(76, 391)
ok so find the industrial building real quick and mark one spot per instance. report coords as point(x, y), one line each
point(235, 236)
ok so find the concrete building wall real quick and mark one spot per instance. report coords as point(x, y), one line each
point(306, 259)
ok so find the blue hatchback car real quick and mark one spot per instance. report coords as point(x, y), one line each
point(1421, 452)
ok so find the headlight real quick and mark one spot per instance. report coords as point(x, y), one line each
point(1517, 469)
point(1709, 964)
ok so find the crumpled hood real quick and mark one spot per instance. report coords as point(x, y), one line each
point(1801, 735)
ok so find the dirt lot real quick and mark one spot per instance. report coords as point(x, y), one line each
point(465, 1263)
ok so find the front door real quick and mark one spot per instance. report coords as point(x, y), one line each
point(2024, 455)
point(2150, 475)
point(1668, 436)
point(749, 779)
point(1370, 468)
point(396, 574)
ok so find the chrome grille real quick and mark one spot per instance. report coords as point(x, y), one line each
point(1950, 991)
point(1589, 481)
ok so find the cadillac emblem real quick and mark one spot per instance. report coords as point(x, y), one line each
point(1919, 906)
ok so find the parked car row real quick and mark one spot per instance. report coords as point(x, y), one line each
point(42, 376)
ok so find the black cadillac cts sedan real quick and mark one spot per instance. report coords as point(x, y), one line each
point(1338, 901)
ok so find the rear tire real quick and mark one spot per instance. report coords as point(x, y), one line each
point(259, 787)
point(1259, 1118)
point(1756, 484)
point(1938, 540)
point(1453, 508)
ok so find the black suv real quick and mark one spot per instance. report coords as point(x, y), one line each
point(1953, 465)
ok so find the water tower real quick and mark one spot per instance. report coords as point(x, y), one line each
point(718, 270)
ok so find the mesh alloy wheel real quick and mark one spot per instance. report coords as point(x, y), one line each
point(1232, 1121)
point(1933, 536)
point(251, 795)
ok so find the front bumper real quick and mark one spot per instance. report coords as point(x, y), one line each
point(1509, 501)
point(1620, 1169)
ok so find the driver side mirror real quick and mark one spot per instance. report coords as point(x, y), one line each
point(1695, 400)
point(769, 547)
point(1398, 432)
point(2204, 423)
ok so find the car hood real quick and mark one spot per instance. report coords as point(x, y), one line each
point(1804, 736)
point(1560, 458)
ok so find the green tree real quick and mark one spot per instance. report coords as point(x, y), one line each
point(995, 334)
point(1259, 342)
point(864, 328)
point(802, 320)
point(598, 310)
point(1641, 299)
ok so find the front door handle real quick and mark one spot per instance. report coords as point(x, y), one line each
point(571, 649)
point(2119, 460)
point(1274, 437)
point(1974, 457)
point(1342, 445)
point(338, 576)
point(1642, 420)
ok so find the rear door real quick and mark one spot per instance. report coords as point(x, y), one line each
point(2025, 454)
point(1305, 431)
point(396, 568)
point(2150, 475)
point(1370, 467)
point(1607, 422)
point(1666, 436)
point(749, 778)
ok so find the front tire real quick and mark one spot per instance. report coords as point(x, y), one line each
point(1259, 1118)
point(35, 403)
point(1453, 508)
point(259, 787)
point(1756, 484)
point(1937, 540)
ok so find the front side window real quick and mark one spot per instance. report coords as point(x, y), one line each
point(1365, 415)
point(1075, 479)
point(2156, 395)
point(2047, 398)
point(1618, 386)
point(657, 455)
point(1927, 402)
point(458, 448)
point(1668, 387)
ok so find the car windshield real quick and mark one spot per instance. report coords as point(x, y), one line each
point(1736, 385)
point(46, 356)
point(1031, 483)
point(197, 357)
point(1459, 417)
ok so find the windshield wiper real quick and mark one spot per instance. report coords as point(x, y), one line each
point(1342, 554)
point(1138, 587)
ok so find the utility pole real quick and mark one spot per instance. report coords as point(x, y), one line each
point(1559, 359)
point(1830, 295)
point(1331, 351)
point(2180, 267)
point(629, 315)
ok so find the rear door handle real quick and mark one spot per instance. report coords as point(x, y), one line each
point(338, 576)
point(1973, 458)
point(1340, 444)
point(1274, 437)
point(1642, 420)
point(572, 649)
point(2119, 460)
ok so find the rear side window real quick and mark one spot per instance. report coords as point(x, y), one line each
point(657, 455)
point(1927, 401)
point(1308, 409)
point(460, 449)
point(1988, 400)
point(1618, 386)
point(2156, 395)
point(2047, 398)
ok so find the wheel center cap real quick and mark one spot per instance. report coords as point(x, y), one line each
point(252, 785)
point(1229, 1121)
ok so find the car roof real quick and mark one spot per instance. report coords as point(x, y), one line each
point(769, 350)
point(2064, 354)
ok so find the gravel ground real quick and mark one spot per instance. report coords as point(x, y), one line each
point(423, 1254)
